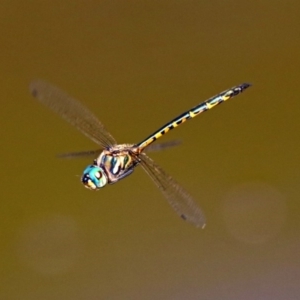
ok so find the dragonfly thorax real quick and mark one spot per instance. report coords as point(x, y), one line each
point(116, 162)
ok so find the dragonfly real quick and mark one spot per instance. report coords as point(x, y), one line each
point(116, 161)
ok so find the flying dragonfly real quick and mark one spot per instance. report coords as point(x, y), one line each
point(116, 161)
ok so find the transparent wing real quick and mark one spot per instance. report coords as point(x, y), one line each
point(95, 153)
point(72, 111)
point(177, 196)
point(81, 154)
point(163, 146)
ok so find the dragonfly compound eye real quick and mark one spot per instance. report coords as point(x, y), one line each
point(94, 177)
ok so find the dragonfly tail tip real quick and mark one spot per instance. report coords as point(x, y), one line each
point(245, 85)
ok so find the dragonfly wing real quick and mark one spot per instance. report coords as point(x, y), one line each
point(81, 154)
point(163, 146)
point(177, 196)
point(72, 111)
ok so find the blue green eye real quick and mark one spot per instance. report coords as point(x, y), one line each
point(94, 177)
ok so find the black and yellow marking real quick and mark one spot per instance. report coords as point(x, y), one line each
point(195, 111)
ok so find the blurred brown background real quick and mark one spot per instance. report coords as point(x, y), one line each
point(136, 65)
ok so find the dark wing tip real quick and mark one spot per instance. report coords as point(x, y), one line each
point(33, 88)
point(183, 217)
point(34, 93)
point(198, 223)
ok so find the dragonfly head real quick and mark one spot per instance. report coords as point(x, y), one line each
point(94, 177)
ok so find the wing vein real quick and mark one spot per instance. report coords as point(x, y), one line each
point(72, 111)
point(181, 201)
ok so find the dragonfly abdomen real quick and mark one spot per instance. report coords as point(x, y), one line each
point(193, 112)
